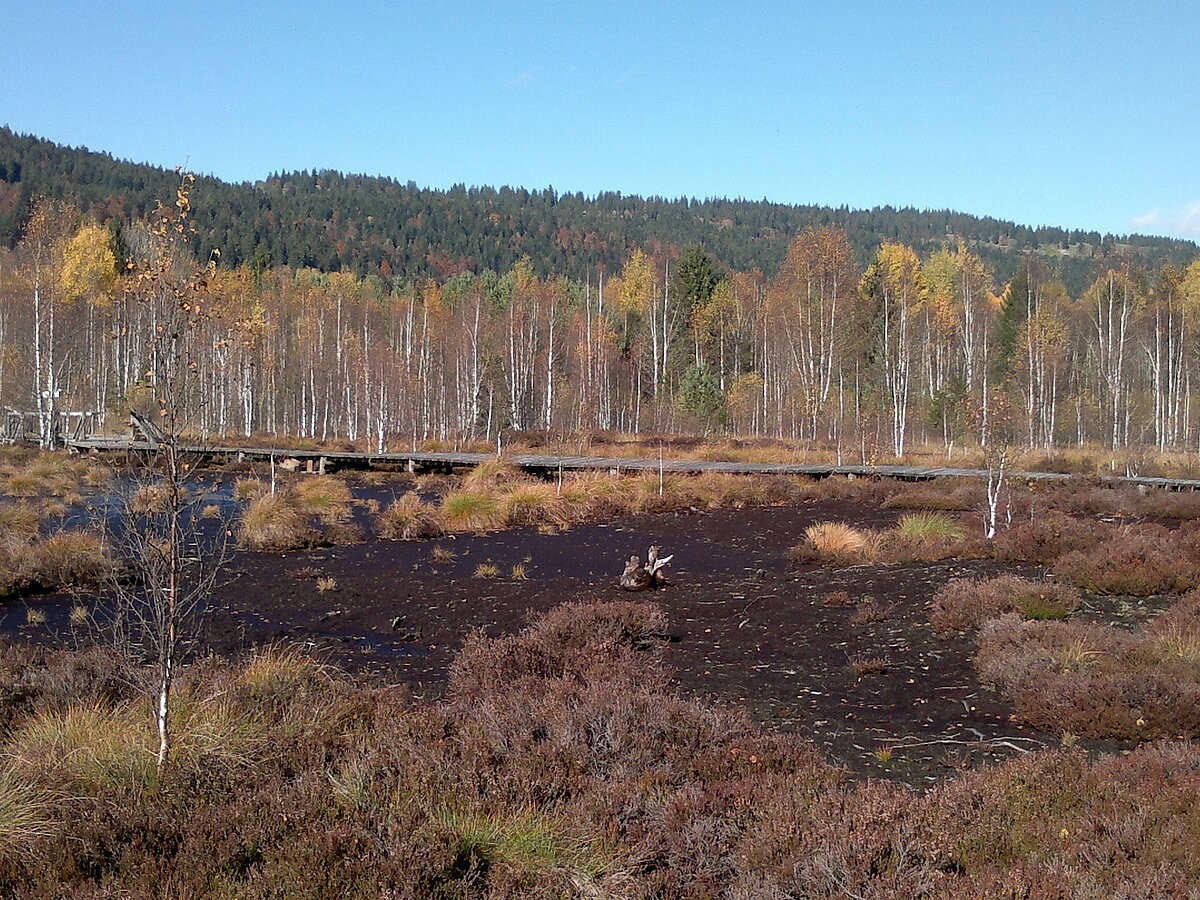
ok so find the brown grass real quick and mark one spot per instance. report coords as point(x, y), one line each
point(838, 543)
point(322, 496)
point(408, 518)
point(272, 522)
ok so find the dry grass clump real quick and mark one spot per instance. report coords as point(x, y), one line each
point(323, 496)
point(27, 813)
point(1139, 561)
point(309, 511)
point(535, 503)
point(151, 498)
point(966, 603)
point(31, 474)
point(29, 562)
point(836, 542)
point(408, 518)
point(471, 510)
point(487, 570)
point(18, 522)
point(493, 473)
point(72, 557)
point(245, 489)
point(1096, 680)
point(595, 495)
point(273, 522)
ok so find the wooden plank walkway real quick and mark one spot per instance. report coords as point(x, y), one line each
point(550, 464)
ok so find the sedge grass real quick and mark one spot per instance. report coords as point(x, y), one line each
point(471, 510)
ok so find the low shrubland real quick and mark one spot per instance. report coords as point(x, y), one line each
point(1100, 680)
point(562, 763)
point(967, 603)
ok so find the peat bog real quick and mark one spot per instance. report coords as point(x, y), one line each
point(844, 655)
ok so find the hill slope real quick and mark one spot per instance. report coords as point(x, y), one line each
point(332, 221)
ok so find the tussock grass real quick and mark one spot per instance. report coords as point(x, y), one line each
point(409, 518)
point(526, 839)
point(279, 672)
point(491, 474)
point(323, 496)
point(471, 510)
point(18, 522)
point(151, 498)
point(487, 570)
point(929, 525)
point(840, 542)
point(273, 522)
point(73, 557)
point(534, 503)
point(84, 747)
point(245, 489)
point(26, 813)
point(40, 474)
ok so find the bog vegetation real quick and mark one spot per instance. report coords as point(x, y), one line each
point(562, 763)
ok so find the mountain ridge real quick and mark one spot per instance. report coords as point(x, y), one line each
point(373, 224)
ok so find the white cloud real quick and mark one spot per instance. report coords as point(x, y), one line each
point(1183, 222)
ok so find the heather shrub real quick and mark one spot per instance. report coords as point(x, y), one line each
point(1047, 537)
point(1093, 680)
point(563, 763)
point(1141, 561)
point(964, 604)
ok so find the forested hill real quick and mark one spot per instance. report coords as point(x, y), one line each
point(331, 221)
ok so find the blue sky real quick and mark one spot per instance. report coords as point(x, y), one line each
point(1085, 115)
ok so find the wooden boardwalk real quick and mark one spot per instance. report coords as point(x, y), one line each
point(549, 464)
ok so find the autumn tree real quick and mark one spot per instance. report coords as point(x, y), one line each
point(156, 611)
point(894, 289)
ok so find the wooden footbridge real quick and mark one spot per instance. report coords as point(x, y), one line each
point(549, 465)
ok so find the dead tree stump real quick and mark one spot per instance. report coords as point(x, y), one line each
point(638, 577)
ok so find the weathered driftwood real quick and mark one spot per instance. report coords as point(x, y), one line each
point(638, 577)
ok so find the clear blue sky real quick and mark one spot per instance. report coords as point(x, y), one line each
point(1085, 115)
